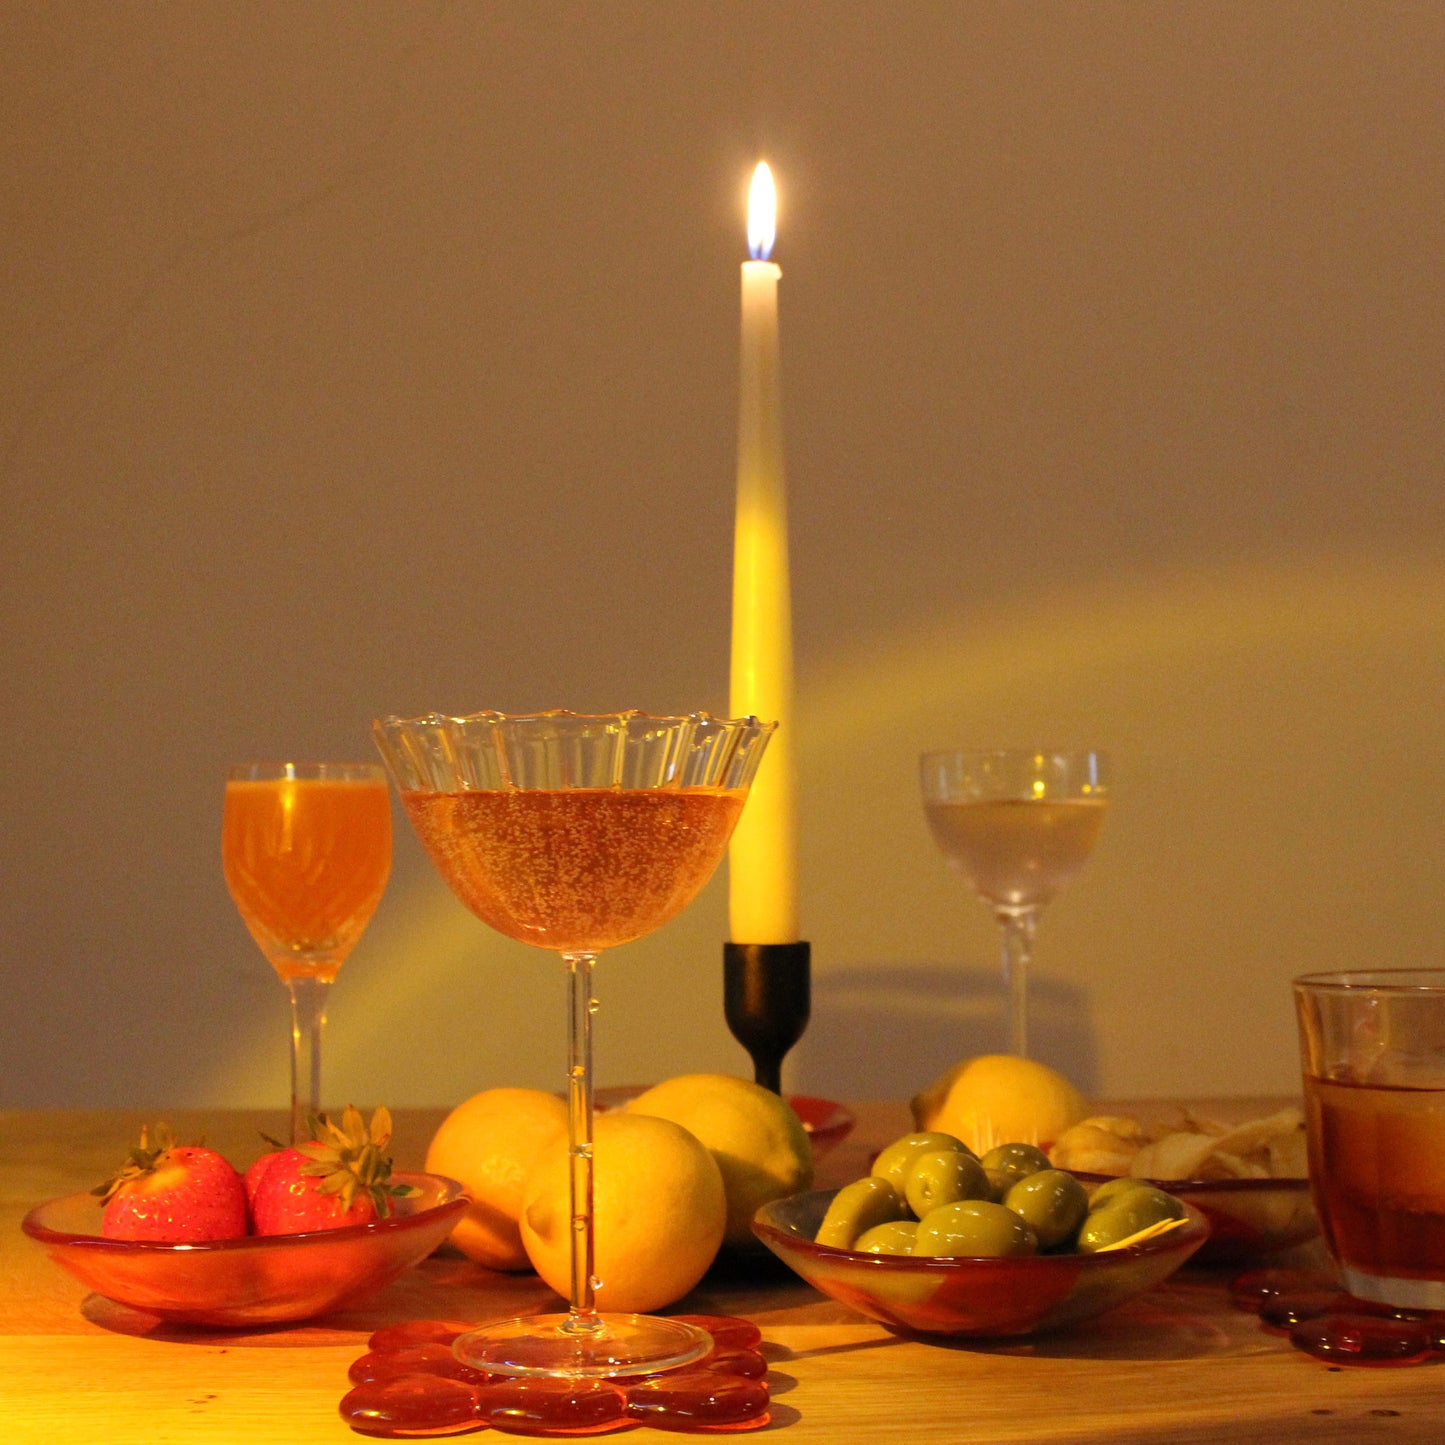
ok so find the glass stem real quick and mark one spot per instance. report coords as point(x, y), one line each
point(1016, 932)
point(582, 1316)
point(308, 1022)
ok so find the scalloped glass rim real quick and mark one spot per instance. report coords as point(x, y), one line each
point(445, 752)
point(626, 714)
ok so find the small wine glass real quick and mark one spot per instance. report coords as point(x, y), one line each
point(1019, 824)
point(306, 849)
point(575, 833)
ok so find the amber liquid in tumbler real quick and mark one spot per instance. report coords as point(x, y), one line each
point(1018, 852)
point(576, 869)
point(306, 860)
point(1377, 1168)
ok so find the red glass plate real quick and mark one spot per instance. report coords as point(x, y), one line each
point(725, 1393)
point(827, 1122)
point(412, 1405)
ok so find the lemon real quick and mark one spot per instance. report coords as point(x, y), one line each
point(489, 1144)
point(1000, 1099)
point(759, 1143)
point(658, 1210)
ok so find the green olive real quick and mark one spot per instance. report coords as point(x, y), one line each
point(1123, 1217)
point(944, 1177)
point(895, 1237)
point(1006, 1164)
point(897, 1159)
point(1112, 1189)
point(976, 1229)
point(856, 1208)
point(1053, 1204)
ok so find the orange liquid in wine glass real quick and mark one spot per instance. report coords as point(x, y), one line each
point(576, 869)
point(306, 860)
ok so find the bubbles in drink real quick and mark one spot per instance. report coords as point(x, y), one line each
point(576, 868)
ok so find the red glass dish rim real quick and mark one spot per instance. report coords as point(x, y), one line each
point(1198, 1229)
point(1291, 1182)
point(454, 1197)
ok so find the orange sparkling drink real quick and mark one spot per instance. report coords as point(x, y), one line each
point(306, 860)
point(576, 869)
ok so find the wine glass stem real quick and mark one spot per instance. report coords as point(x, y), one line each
point(308, 1022)
point(582, 1316)
point(1016, 934)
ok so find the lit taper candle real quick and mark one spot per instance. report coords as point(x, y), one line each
point(762, 861)
point(767, 979)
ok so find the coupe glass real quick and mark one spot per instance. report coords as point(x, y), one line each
point(307, 849)
point(575, 833)
point(1019, 824)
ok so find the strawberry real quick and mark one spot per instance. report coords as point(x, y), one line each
point(173, 1193)
point(339, 1178)
point(252, 1177)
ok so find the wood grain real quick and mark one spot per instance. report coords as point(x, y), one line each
point(1179, 1365)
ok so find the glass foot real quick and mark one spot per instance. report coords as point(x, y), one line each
point(608, 1346)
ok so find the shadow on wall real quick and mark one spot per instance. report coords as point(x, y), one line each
point(1275, 732)
point(884, 1032)
point(1278, 775)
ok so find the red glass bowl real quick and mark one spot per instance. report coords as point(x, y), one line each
point(984, 1298)
point(825, 1122)
point(258, 1280)
point(1249, 1219)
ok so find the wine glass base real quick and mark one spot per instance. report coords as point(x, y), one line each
point(615, 1344)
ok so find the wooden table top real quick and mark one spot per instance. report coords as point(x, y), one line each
point(1178, 1365)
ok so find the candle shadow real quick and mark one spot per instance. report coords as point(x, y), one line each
point(878, 1031)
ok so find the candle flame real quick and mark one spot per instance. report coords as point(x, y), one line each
point(762, 213)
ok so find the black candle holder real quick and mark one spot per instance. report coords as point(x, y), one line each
point(767, 998)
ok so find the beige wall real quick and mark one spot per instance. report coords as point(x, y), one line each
point(378, 357)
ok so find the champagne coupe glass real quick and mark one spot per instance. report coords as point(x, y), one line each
point(1019, 824)
point(575, 833)
point(306, 848)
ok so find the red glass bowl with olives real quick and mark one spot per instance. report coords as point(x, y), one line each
point(965, 1296)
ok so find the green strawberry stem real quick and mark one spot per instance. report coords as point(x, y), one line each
point(349, 1160)
point(141, 1160)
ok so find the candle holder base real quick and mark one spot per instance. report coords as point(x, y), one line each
point(767, 999)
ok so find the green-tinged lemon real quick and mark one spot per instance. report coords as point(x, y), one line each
point(759, 1143)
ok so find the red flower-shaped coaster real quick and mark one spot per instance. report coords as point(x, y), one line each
point(1324, 1321)
point(409, 1384)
